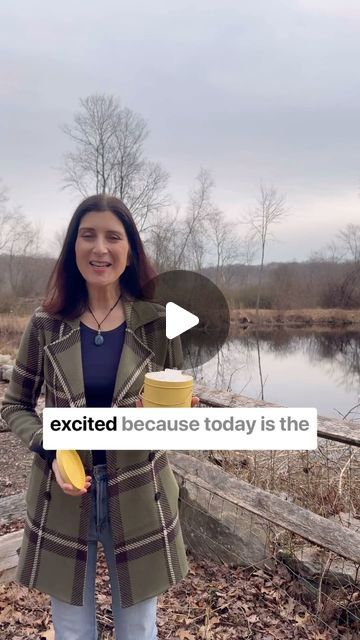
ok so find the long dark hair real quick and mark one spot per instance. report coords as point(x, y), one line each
point(66, 291)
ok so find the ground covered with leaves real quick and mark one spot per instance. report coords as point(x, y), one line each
point(15, 463)
point(212, 603)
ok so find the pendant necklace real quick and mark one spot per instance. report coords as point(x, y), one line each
point(99, 338)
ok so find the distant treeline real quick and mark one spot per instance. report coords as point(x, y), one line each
point(22, 278)
point(295, 285)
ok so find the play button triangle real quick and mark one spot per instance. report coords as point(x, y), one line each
point(178, 320)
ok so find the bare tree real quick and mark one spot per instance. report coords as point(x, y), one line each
point(343, 290)
point(249, 250)
point(198, 246)
point(227, 246)
point(164, 238)
point(198, 237)
point(349, 239)
point(176, 239)
point(7, 223)
point(19, 238)
point(270, 210)
point(24, 242)
point(199, 208)
point(331, 253)
point(180, 240)
point(59, 237)
point(109, 157)
point(347, 291)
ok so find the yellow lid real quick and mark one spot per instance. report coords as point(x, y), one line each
point(168, 379)
point(71, 468)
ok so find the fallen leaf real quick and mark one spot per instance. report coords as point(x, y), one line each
point(183, 634)
point(48, 635)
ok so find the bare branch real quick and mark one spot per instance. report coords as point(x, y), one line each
point(199, 208)
point(109, 157)
point(349, 239)
point(226, 243)
point(270, 210)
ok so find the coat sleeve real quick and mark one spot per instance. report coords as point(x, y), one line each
point(18, 407)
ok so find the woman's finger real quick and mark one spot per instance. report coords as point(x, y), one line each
point(68, 488)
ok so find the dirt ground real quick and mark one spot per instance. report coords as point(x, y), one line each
point(212, 603)
point(15, 463)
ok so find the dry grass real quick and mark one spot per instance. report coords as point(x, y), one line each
point(11, 324)
point(11, 329)
point(325, 481)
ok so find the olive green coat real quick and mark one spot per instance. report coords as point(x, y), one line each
point(149, 550)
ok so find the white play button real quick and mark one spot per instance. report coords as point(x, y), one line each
point(178, 320)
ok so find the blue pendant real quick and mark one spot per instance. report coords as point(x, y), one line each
point(99, 340)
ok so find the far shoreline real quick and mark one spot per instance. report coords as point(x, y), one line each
point(340, 318)
point(12, 325)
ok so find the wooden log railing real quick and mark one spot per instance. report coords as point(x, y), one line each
point(326, 533)
point(328, 428)
point(9, 545)
point(316, 529)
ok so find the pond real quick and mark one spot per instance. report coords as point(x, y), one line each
point(300, 368)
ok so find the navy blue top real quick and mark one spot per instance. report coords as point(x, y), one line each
point(100, 364)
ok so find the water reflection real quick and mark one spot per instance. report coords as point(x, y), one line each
point(299, 368)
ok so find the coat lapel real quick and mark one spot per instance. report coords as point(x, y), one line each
point(65, 354)
point(136, 354)
point(134, 358)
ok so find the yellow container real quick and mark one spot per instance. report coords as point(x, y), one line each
point(169, 388)
point(71, 468)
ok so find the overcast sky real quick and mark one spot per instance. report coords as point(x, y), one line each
point(267, 90)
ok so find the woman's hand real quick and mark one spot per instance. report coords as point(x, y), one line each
point(195, 401)
point(68, 488)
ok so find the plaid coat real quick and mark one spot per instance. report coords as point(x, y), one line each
point(142, 490)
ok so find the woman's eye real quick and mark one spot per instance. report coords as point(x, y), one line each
point(90, 235)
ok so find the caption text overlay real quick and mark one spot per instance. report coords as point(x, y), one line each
point(271, 428)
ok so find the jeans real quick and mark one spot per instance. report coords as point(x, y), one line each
point(79, 623)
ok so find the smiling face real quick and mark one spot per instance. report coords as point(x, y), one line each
point(102, 249)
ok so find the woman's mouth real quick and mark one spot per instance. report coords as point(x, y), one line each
point(99, 266)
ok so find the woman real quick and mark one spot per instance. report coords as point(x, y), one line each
point(91, 342)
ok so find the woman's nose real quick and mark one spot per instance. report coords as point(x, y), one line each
point(100, 245)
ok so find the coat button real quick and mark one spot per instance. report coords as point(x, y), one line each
point(151, 456)
point(157, 496)
point(47, 495)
